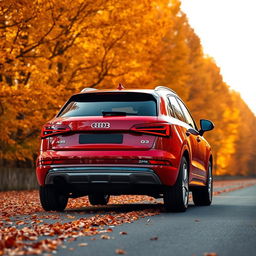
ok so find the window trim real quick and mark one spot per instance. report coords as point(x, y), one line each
point(179, 99)
point(175, 116)
point(195, 127)
point(149, 95)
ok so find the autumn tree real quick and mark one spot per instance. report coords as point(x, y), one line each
point(50, 49)
point(57, 48)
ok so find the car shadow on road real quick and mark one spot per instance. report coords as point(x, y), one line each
point(117, 208)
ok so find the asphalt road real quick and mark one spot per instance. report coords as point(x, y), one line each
point(227, 228)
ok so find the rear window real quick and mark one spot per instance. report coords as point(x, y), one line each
point(111, 104)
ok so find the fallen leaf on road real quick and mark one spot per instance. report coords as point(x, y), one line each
point(20, 222)
point(10, 242)
point(123, 233)
point(83, 244)
point(71, 217)
point(105, 237)
point(15, 239)
point(120, 251)
point(154, 238)
point(210, 254)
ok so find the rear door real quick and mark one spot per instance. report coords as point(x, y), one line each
point(198, 143)
point(189, 132)
point(105, 121)
point(102, 133)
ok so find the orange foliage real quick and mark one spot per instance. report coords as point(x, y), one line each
point(51, 49)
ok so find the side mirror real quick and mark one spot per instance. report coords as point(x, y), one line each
point(206, 125)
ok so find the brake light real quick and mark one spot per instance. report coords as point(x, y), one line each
point(49, 130)
point(160, 129)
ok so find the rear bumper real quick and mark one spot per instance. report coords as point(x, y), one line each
point(108, 160)
point(159, 175)
point(102, 175)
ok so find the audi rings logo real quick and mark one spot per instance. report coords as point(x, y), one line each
point(100, 125)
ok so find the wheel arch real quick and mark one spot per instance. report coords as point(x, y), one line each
point(187, 156)
point(186, 152)
point(211, 159)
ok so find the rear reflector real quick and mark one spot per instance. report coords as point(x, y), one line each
point(49, 130)
point(46, 162)
point(160, 162)
point(103, 161)
point(160, 129)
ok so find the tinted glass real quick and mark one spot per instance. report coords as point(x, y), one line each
point(189, 119)
point(95, 105)
point(169, 108)
point(176, 109)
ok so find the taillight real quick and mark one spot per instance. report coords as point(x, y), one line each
point(160, 129)
point(49, 130)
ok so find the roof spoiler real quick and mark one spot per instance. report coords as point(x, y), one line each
point(88, 89)
point(158, 88)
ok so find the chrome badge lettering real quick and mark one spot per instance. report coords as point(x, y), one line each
point(60, 141)
point(144, 141)
point(100, 125)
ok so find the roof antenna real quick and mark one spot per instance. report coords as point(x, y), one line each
point(120, 87)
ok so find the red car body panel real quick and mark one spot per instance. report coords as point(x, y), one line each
point(162, 154)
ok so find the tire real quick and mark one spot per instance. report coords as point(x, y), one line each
point(202, 196)
point(176, 197)
point(51, 199)
point(96, 199)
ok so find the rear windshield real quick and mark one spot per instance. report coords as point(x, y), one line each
point(110, 104)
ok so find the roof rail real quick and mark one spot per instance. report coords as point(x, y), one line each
point(164, 88)
point(88, 89)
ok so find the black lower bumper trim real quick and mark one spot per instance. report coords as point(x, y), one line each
point(102, 175)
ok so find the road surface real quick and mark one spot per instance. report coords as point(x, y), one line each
point(227, 228)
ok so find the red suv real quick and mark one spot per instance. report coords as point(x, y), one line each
point(114, 142)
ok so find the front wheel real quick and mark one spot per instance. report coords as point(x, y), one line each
point(96, 199)
point(176, 197)
point(202, 196)
point(51, 199)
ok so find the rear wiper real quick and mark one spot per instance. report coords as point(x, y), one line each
point(117, 113)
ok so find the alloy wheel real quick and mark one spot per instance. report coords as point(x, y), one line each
point(185, 190)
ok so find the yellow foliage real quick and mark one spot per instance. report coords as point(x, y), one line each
point(52, 49)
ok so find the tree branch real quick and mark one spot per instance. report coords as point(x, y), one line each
point(41, 40)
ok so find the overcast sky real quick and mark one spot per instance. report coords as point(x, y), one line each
point(227, 29)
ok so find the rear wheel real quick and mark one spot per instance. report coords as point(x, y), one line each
point(51, 199)
point(96, 199)
point(176, 197)
point(202, 196)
